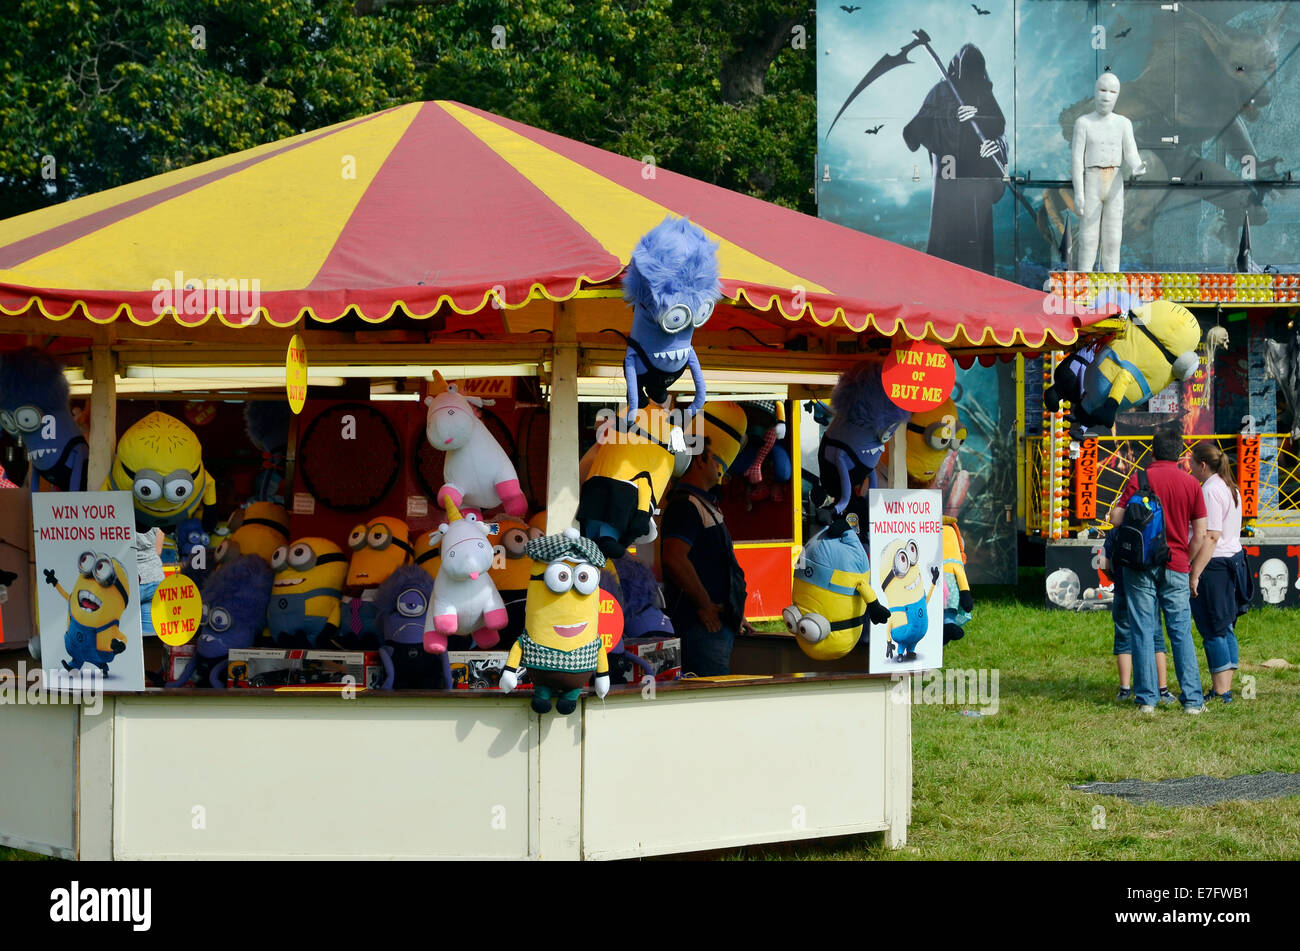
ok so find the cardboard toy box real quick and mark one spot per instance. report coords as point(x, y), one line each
point(481, 670)
point(663, 654)
point(270, 669)
point(178, 658)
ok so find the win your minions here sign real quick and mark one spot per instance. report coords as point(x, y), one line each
point(88, 589)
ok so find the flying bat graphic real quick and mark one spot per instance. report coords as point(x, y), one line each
point(1123, 33)
point(982, 13)
point(875, 130)
point(849, 9)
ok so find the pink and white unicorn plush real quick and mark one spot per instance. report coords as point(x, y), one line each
point(477, 470)
point(465, 601)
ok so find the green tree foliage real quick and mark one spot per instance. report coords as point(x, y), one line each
point(105, 93)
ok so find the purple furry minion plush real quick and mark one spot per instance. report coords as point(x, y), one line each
point(401, 603)
point(267, 422)
point(672, 285)
point(34, 410)
point(864, 420)
point(234, 614)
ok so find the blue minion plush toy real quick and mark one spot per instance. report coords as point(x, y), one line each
point(34, 410)
point(832, 594)
point(672, 285)
point(864, 420)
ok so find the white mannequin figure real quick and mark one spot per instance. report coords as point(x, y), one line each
point(1101, 144)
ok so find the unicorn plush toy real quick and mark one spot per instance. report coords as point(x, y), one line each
point(465, 601)
point(477, 470)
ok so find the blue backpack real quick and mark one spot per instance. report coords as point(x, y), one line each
point(1140, 537)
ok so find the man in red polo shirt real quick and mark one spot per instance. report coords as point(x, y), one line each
point(1166, 589)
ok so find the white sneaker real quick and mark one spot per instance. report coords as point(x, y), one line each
point(1147, 708)
point(1194, 709)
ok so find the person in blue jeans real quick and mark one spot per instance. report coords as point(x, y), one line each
point(703, 585)
point(1166, 590)
point(1123, 642)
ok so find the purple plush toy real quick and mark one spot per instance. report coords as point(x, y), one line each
point(234, 614)
point(400, 604)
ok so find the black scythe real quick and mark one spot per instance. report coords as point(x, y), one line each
point(891, 60)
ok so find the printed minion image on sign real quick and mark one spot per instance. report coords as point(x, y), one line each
point(907, 574)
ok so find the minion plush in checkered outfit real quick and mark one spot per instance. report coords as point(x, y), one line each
point(561, 644)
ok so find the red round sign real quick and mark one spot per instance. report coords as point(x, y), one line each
point(918, 375)
point(610, 624)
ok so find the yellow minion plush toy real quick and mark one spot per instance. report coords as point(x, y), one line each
point(511, 568)
point(930, 437)
point(304, 609)
point(379, 547)
point(905, 590)
point(1158, 348)
point(160, 462)
point(724, 426)
point(258, 529)
point(428, 551)
point(95, 608)
point(832, 594)
point(561, 645)
point(957, 603)
point(627, 476)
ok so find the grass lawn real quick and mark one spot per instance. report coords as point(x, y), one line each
point(998, 787)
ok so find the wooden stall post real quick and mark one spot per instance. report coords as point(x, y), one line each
point(103, 415)
point(562, 463)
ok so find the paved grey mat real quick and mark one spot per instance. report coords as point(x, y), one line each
point(1199, 790)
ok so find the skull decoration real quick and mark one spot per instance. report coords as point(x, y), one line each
point(1063, 588)
point(1273, 577)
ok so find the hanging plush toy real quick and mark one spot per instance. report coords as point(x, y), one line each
point(832, 594)
point(628, 474)
point(267, 422)
point(34, 410)
point(235, 602)
point(724, 428)
point(901, 584)
point(957, 603)
point(477, 471)
point(379, 547)
point(1102, 380)
point(931, 435)
point(402, 602)
point(257, 529)
point(864, 420)
point(561, 645)
point(160, 462)
point(305, 596)
point(465, 601)
point(765, 429)
point(672, 285)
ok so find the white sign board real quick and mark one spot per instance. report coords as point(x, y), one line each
point(88, 590)
point(906, 571)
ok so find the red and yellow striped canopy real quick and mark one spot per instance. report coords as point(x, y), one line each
point(436, 203)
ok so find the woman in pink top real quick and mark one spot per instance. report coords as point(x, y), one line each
point(1221, 586)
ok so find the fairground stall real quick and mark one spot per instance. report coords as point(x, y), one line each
point(348, 265)
point(1242, 396)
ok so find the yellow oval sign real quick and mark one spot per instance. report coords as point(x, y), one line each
point(295, 373)
point(177, 610)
